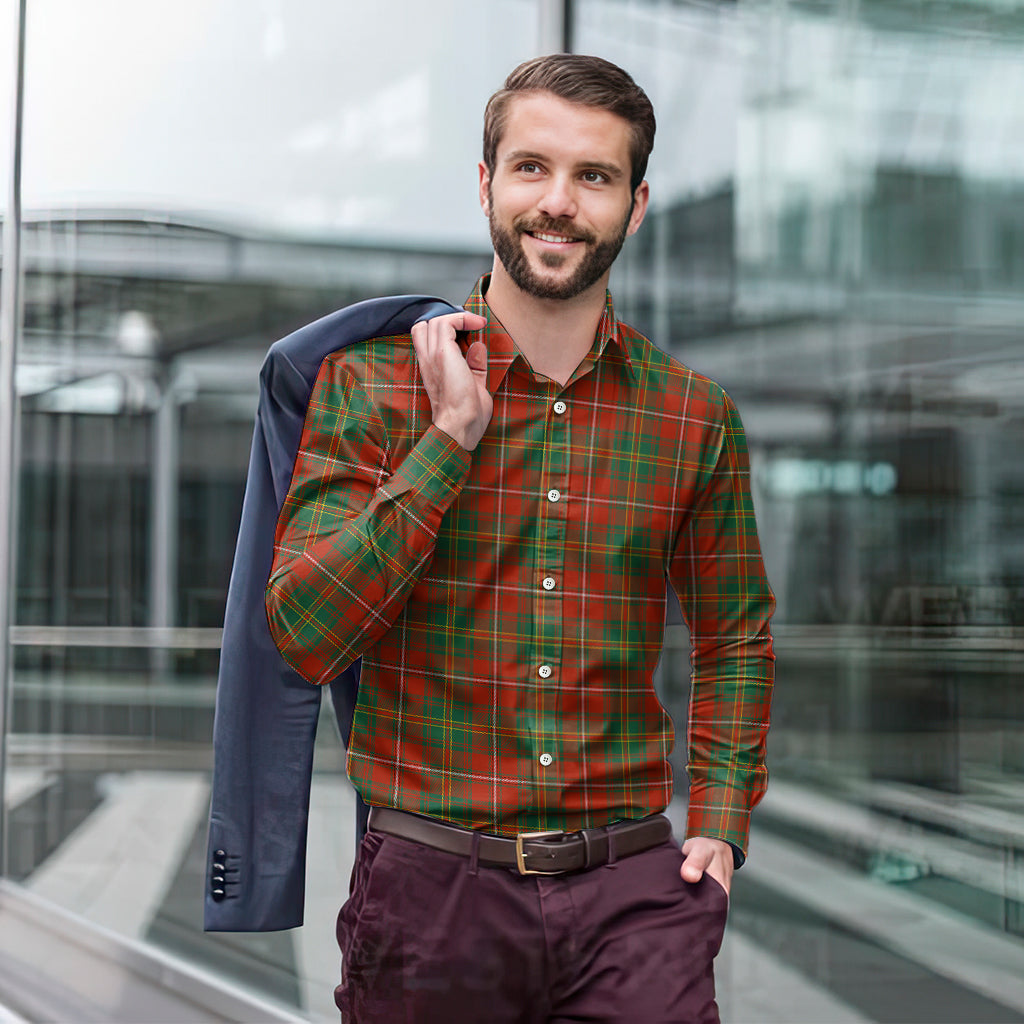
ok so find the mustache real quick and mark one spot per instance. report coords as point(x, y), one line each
point(552, 226)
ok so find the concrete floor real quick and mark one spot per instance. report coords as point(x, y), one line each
point(810, 940)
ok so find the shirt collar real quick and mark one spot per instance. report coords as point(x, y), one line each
point(502, 351)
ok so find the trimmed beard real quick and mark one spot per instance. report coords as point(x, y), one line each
point(600, 255)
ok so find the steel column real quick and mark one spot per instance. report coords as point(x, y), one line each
point(554, 24)
point(10, 321)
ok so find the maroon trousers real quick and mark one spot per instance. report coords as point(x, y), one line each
point(429, 937)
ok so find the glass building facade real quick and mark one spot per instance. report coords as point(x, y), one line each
point(836, 235)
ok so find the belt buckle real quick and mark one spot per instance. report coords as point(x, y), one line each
point(521, 856)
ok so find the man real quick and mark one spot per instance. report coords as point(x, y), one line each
point(487, 511)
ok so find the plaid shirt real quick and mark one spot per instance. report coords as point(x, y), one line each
point(509, 603)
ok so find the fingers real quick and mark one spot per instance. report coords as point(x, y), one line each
point(434, 342)
point(472, 321)
point(431, 338)
point(446, 326)
point(456, 385)
point(463, 320)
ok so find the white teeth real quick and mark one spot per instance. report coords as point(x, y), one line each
point(551, 238)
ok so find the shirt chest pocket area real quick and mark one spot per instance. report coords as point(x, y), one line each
point(624, 517)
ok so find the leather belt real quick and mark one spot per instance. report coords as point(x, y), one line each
point(530, 853)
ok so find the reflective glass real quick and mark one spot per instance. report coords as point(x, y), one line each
point(836, 236)
point(8, 30)
point(8, 22)
point(201, 177)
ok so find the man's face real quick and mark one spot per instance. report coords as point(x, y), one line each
point(559, 203)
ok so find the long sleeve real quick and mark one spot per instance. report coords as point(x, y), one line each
point(719, 577)
point(355, 533)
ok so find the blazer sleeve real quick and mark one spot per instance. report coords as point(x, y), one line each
point(266, 714)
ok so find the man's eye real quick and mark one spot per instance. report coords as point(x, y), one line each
point(593, 177)
point(529, 168)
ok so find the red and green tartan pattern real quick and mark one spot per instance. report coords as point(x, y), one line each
point(510, 603)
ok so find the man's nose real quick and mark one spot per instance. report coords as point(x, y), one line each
point(559, 199)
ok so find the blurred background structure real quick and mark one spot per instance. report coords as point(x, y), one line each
point(836, 236)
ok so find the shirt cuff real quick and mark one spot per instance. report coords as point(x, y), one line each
point(720, 812)
point(435, 468)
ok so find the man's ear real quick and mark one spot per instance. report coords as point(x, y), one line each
point(641, 197)
point(485, 185)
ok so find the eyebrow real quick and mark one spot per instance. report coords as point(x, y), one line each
point(613, 171)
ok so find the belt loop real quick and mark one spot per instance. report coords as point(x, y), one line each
point(474, 853)
point(587, 851)
point(609, 832)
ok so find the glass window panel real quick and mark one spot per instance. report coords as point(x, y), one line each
point(8, 24)
point(8, 55)
point(331, 119)
point(200, 179)
point(835, 236)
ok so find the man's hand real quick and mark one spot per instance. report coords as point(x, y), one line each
point(457, 387)
point(710, 855)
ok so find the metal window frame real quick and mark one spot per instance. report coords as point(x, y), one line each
point(10, 327)
point(555, 19)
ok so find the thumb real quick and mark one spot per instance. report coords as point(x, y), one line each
point(694, 864)
point(476, 356)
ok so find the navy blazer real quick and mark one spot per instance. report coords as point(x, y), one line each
point(266, 713)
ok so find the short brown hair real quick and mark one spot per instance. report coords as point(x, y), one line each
point(577, 78)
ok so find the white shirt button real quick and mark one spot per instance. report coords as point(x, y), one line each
point(549, 583)
point(544, 671)
point(554, 494)
point(559, 407)
point(546, 759)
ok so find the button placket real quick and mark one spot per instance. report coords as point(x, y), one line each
point(550, 567)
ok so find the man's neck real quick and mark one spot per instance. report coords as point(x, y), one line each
point(553, 334)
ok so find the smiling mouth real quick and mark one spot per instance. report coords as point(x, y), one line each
point(547, 237)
